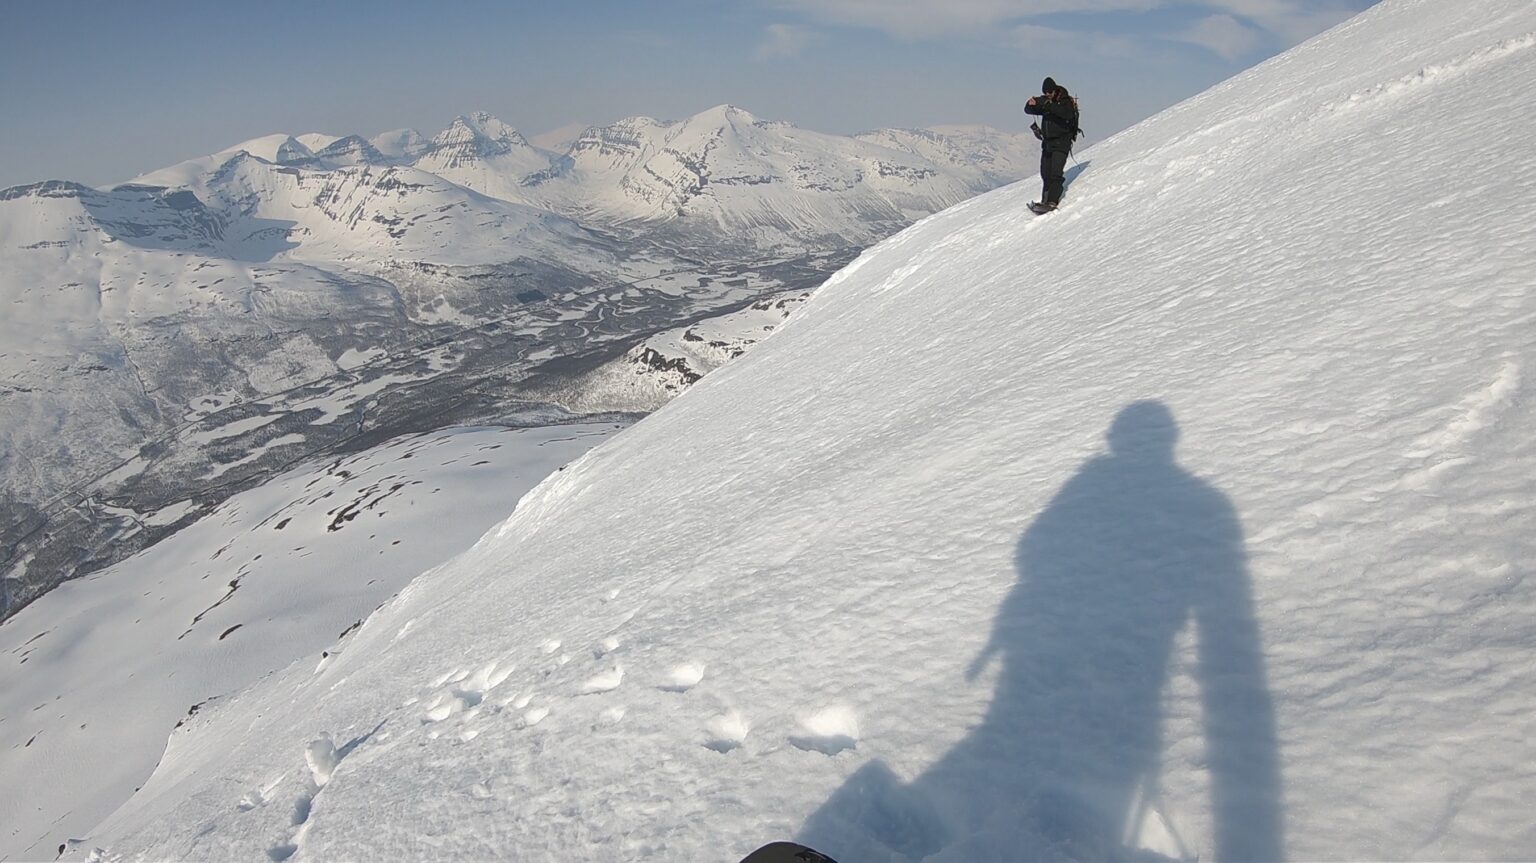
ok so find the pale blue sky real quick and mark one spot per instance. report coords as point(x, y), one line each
point(101, 91)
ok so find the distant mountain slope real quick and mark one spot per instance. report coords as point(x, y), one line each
point(482, 153)
point(134, 311)
point(1192, 521)
point(724, 176)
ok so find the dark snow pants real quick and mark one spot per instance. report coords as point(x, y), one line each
point(1053, 170)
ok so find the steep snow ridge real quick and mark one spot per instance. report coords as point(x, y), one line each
point(602, 157)
point(58, 215)
point(278, 149)
point(978, 153)
point(1192, 521)
point(349, 151)
point(481, 152)
point(373, 214)
point(282, 149)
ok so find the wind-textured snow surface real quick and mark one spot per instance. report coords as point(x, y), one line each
point(1192, 521)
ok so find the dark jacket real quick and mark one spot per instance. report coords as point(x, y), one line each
point(1058, 120)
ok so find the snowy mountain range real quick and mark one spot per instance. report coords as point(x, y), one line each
point(145, 318)
point(1214, 546)
point(732, 178)
point(719, 179)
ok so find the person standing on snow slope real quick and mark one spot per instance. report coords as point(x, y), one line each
point(1057, 111)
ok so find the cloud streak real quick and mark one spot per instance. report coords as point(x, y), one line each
point(1223, 36)
point(1230, 28)
point(783, 40)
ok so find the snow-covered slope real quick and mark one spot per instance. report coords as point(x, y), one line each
point(1194, 520)
point(661, 367)
point(405, 145)
point(272, 575)
point(279, 149)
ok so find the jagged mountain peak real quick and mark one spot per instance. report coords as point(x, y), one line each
point(351, 150)
point(725, 113)
point(481, 152)
point(64, 215)
point(489, 134)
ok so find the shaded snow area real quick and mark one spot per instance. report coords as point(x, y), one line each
point(655, 371)
point(99, 671)
point(1193, 521)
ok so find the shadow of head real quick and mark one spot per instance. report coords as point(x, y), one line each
point(1144, 430)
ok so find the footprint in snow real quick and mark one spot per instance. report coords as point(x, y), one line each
point(828, 731)
point(453, 676)
point(517, 701)
point(605, 647)
point(321, 757)
point(683, 677)
point(604, 682)
point(726, 731)
point(466, 693)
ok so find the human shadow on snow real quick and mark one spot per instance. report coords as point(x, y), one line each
point(1064, 766)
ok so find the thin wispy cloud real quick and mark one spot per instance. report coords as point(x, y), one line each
point(1230, 29)
point(783, 40)
point(1033, 38)
point(939, 19)
point(1290, 20)
point(1222, 35)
